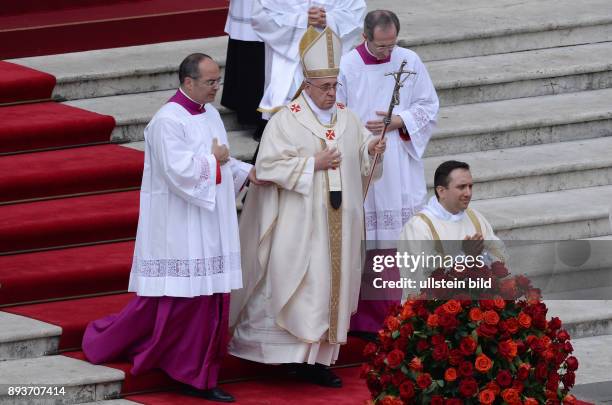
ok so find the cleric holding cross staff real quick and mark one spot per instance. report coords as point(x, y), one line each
point(301, 238)
point(367, 89)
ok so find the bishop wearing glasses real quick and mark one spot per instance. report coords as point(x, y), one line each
point(301, 237)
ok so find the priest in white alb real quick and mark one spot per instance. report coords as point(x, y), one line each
point(187, 249)
point(282, 23)
point(301, 238)
point(400, 193)
point(447, 226)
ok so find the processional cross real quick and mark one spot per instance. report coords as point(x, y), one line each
point(395, 100)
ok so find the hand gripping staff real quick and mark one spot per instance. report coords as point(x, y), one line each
point(395, 99)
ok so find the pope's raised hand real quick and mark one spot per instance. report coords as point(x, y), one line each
point(221, 152)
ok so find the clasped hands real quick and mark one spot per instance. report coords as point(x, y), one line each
point(316, 17)
point(331, 158)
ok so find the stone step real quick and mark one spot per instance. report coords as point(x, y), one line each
point(521, 122)
point(583, 318)
point(79, 380)
point(523, 74)
point(557, 215)
point(465, 128)
point(22, 337)
point(132, 112)
point(534, 169)
point(133, 69)
point(481, 27)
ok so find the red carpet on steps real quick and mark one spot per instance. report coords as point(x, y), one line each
point(20, 83)
point(96, 25)
point(65, 272)
point(70, 171)
point(276, 391)
point(68, 221)
point(51, 125)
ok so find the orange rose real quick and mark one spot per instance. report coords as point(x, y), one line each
point(499, 303)
point(450, 374)
point(493, 387)
point(486, 397)
point(452, 307)
point(569, 400)
point(524, 320)
point(530, 401)
point(392, 323)
point(491, 317)
point(391, 400)
point(432, 320)
point(483, 363)
point(407, 312)
point(511, 396)
point(475, 315)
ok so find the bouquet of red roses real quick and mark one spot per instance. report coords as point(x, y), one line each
point(497, 349)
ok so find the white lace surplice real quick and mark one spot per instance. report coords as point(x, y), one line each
point(187, 241)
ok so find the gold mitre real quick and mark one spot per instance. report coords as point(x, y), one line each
point(320, 53)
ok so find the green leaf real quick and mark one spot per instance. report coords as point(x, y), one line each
point(479, 350)
point(395, 334)
point(440, 383)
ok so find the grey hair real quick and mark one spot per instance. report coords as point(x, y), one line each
point(189, 66)
point(379, 18)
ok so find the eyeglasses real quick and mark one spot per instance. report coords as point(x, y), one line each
point(326, 88)
point(380, 48)
point(210, 82)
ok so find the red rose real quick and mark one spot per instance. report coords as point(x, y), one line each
point(424, 381)
point(504, 378)
point(440, 352)
point(523, 371)
point(492, 385)
point(563, 336)
point(453, 401)
point(512, 325)
point(392, 323)
point(530, 401)
point(406, 390)
point(406, 330)
point(432, 320)
point(455, 357)
point(508, 349)
point(369, 349)
point(385, 379)
point(541, 371)
point(365, 370)
point(553, 381)
point(486, 397)
point(448, 321)
point(467, 346)
point(499, 303)
point(511, 396)
point(407, 311)
point(391, 400)
point(436, 400)
point(572, 363)
point(554, 324)
point(398, 378)
point(499, 270)
point(437, 340)
point(394, 359)
point(468, 387)
point(422, 345)
point(569, 379)
point(466, 369)
point(518, 385)
point(567, 347)
point(487, 331)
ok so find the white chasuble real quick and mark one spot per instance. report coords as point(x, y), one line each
point(301, 258)
point(187, 241)
point(401, 192)
point(281, 24)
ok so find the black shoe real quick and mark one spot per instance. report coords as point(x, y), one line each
point(214, 394)
point(319, 374)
